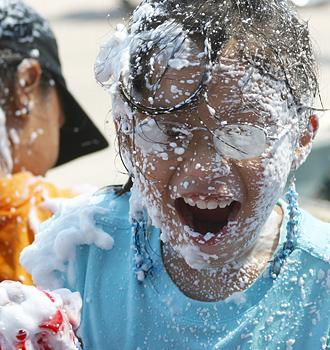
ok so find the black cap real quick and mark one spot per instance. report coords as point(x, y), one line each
point(24, 31)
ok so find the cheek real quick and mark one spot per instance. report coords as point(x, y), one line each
point(156, 166)
point(154, 199)
point(266, 177)
point(151, 176)
point(276, 169)
point(157, 192)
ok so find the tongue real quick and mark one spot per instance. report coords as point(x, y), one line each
point(203, 227)
point(209, 220)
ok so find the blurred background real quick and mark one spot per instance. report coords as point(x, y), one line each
point(81, 26)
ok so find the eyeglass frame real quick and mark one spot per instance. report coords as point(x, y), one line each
point(190, 130)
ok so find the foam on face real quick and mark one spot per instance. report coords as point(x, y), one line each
point(275, 167)
point(267, 97)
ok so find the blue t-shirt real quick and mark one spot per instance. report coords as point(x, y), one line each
point(290, 312)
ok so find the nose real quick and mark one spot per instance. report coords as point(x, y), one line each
point(201, 160)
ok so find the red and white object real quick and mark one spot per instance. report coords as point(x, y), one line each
point(32, 319)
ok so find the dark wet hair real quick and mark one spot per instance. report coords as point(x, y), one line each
point(271, 37)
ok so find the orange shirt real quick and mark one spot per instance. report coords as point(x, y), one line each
point(25, 202)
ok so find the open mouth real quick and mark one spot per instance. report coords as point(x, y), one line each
point(206, 217)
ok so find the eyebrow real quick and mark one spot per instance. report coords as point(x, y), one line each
point(255, 108)
point(249, 107)
point(234, 111)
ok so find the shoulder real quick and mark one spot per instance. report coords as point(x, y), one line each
point(118, 207)
point(101, 207)
point(88, 219)
point(314, 235)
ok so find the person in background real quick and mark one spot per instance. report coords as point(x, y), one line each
point(41, 126)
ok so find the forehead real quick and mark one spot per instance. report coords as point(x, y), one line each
point(238, 87)
point(234, 85)
point(175, 72)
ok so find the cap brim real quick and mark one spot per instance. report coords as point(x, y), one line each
point(78, 136)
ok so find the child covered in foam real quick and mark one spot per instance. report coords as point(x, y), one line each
point(213, 106)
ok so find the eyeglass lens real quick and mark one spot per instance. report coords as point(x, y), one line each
point(238, 141)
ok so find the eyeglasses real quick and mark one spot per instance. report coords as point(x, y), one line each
point(168, 138)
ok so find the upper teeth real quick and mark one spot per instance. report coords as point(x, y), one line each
point(201, 204)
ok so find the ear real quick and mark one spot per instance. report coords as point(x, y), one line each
point(123, 140)
point(125, 148)
point(305, 142)
point(28, 79)
point(115, 122)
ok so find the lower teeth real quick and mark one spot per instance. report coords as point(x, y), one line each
point(190, 231)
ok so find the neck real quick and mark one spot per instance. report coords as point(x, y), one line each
point(216, 283)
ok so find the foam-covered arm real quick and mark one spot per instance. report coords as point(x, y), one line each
point(51, 258)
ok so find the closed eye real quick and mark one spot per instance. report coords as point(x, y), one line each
point(174, 131)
